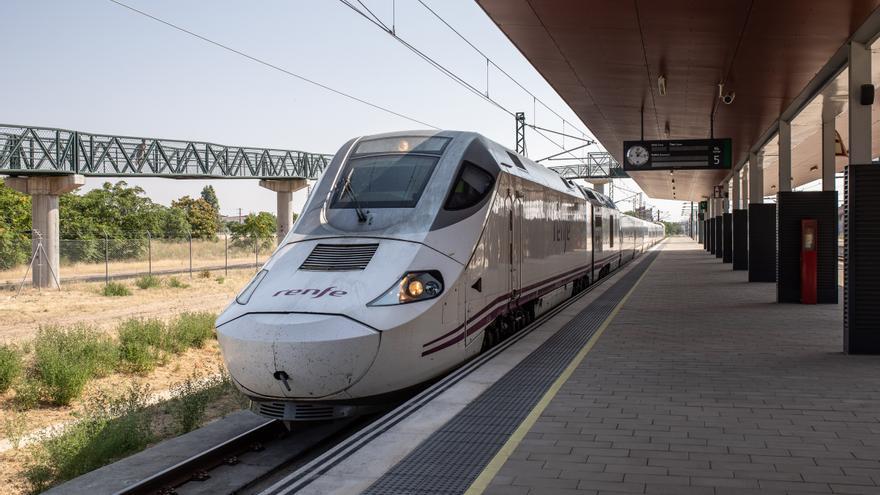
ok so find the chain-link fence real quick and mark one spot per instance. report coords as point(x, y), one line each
point(103, 258)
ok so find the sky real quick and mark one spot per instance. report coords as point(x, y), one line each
point(95, 66)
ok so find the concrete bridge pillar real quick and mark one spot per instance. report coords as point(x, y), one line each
point(284, 189)
point(44, 192)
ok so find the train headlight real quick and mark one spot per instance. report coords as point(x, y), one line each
point(412, 287)
point(415, 288)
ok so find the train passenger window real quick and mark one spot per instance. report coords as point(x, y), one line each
point(611, 230)
point(469, 188)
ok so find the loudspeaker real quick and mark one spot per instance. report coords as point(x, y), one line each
point(866, 97)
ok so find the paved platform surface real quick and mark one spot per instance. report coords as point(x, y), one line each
point(702, 384)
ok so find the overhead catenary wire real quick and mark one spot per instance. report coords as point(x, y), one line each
point(499, 68)
point(458, 79)
point(363, 101)
point(374, 15)
point(276, 67)
point(437, 65)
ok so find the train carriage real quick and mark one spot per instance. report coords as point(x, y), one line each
point(415, 252)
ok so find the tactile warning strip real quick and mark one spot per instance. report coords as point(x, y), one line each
point(451, 458)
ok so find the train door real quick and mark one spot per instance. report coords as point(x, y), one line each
point(515, 217)
point(598, 241)
point(592, 235)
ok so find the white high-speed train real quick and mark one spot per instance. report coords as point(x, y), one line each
point(415, 252)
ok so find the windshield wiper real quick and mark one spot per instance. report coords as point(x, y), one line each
point(362, 216)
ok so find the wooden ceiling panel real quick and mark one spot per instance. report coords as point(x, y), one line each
point(764, 50)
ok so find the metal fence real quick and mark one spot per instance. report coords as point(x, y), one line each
point(105, 258)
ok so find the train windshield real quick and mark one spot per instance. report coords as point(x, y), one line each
point(388, 172)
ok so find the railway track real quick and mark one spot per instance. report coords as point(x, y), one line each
point(229, 466)
point(306, 453)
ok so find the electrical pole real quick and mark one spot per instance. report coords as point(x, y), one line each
point(521, 133)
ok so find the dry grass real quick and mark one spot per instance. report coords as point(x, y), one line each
point(205, 361)
point(21, 316)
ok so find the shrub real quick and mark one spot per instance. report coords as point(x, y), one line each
point(148, 282)
point(28, 393)
point(190, 401)
point(220, 280)
point(111, 428)
point(66, 359)
point(140, 342)
point(15, 427)
point(10, 366)
point(175, 283)
point(115, 289)
point(205, 274)
point(190, 330)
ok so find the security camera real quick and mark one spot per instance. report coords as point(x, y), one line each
point(728, 98)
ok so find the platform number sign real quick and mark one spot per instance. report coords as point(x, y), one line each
point(682, 154)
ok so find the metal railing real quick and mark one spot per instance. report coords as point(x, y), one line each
point(37, 150)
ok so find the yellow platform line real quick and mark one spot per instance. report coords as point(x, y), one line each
point(482, 482)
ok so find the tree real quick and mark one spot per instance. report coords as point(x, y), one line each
point(174, 223)
point(15, 222)
point(209, 195)
point(673, 228)
point(116, 218)
point(254, 227)
point(201, 216)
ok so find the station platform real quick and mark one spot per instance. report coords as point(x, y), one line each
point(674, 376)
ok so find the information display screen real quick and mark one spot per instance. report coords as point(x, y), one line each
point(682, 154)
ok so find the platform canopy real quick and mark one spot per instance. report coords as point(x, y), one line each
point(606, 57)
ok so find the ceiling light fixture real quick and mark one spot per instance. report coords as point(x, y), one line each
point(661, 85)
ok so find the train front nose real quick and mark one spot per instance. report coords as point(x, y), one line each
point(297, 355)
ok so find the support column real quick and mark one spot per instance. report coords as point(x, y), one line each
point(762, 226)
point(735, 191)
point(744, 187)
point(284, 189)
point(784, 182)
point(859, 115)
point(719, 225)
point(599, 186)
point(861, 277)
point(710, 225)
point(756, 178)
point(726, 225)
point(45, 231)
point(739, 225)
point(829, 140)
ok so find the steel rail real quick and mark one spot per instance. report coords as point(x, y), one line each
point(165, 481)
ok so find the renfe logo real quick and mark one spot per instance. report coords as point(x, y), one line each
point(315, 293)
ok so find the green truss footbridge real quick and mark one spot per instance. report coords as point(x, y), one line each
point(29, 151)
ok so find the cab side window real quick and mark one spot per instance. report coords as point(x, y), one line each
point(469, 188)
